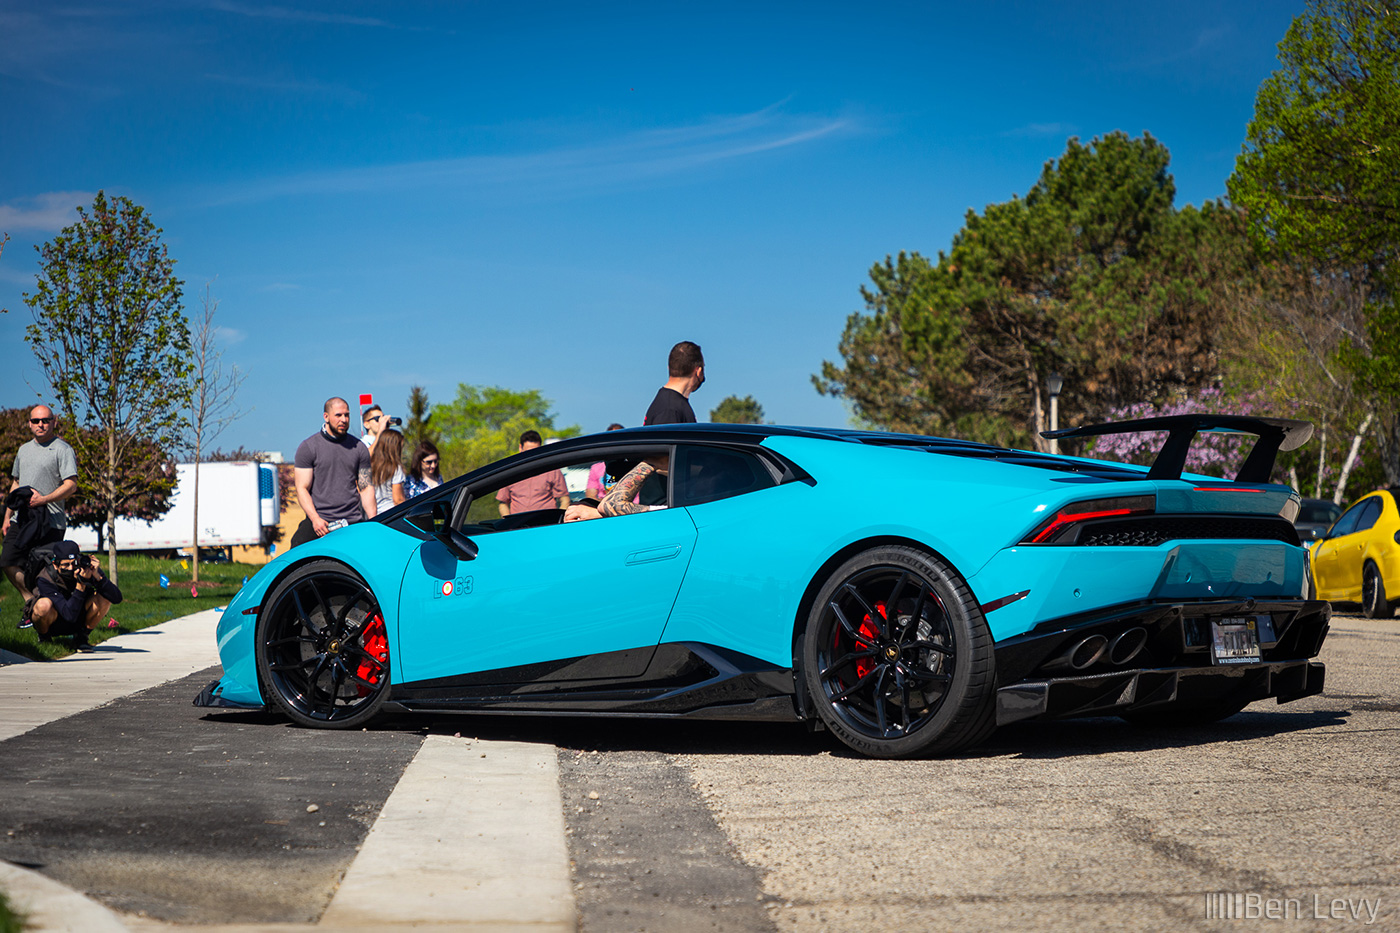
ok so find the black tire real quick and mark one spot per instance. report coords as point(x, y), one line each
point(1196, 714)
point(322, 652)
point(1373, 599)
point(920, 683)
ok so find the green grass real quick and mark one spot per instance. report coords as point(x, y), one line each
point(144, 602)
point(10, 921)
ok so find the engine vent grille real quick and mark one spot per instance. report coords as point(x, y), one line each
point(1152, 530)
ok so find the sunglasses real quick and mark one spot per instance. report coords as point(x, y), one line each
point(427, 462)
point(40, 420)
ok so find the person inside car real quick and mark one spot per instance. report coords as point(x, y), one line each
point(620, 500)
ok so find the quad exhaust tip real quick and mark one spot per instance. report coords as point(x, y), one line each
point(1088, 651)
point(1080, 655)
point(1126, 645)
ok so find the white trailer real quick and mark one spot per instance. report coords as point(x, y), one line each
point(239, 503)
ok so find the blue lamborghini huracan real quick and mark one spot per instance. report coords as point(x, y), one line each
point(908, 593)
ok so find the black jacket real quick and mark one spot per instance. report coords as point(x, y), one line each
point(29, 524)
point(68, 599)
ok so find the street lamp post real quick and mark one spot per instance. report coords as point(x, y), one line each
point(1054, 382)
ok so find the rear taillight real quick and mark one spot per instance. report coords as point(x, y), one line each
point(1063, 521)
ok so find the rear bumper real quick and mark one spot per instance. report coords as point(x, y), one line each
point(1161, 655)
point(1130, 691)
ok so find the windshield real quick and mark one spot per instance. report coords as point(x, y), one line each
point(1322, 513)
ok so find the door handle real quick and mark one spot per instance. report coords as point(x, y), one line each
point(653, 554)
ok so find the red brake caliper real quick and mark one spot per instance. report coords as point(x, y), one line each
point(376, 644)
point(869, 630)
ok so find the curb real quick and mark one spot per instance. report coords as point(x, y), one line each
point(52, 908)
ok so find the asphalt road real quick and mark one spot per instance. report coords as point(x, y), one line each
point(1094, 824)
point(153, 807)
point(195, 816)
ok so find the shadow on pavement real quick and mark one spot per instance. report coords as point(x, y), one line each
point(1039, 740)
point(1074, 737)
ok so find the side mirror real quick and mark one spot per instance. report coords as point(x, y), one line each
point(457, 544)
point(435, 519)
point(427, 517)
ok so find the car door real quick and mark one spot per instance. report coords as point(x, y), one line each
point(1352, 555)
point(573, 601)
point(741, 585)
point(1337, 563)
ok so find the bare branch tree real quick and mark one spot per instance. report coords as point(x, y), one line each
point(4, 238)
point(212, 392)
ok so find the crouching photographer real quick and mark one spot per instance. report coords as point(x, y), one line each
point(73, 596)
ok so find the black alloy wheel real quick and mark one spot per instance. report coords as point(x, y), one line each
point(1373, 599)
point(897, 656)
point(322, 650)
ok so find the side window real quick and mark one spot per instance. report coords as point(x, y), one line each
point(524, 499)
point(531, 493)
point(1371, 511)
point(1347, 523)
point(704, 474)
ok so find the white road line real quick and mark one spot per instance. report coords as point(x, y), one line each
point(472, 837)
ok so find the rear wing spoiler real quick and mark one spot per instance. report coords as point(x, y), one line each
point(1275, 434)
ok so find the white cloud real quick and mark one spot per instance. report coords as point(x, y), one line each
point(295, 15)
point(629, 157)
point(291, 86)
point(47, 213)
point(229, 335)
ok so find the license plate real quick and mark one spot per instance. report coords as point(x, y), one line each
point(1234, 641)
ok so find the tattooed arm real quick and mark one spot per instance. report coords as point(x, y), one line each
point(366, 488)
point(619, 500)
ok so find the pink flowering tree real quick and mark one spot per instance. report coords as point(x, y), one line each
point(1320, 468)
point(1212, 454)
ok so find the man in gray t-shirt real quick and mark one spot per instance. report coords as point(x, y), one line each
point(332, 476)
point(48, 467)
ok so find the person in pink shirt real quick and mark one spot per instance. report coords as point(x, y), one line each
point(597, 488)
point(546, 491)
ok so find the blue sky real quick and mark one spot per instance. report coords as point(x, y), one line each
point(548, 196)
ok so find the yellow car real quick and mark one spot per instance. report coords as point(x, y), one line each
point(1359, 558)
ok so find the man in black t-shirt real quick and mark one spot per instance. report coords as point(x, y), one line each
point(686, 368)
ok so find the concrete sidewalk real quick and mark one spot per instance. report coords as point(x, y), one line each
point(42, 691)
point(472, 837)
point(39, 692)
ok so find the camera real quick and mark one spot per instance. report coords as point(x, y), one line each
point(395, 422)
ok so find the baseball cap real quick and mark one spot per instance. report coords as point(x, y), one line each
point(66, 550)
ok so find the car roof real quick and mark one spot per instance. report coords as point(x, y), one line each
point(755, 434)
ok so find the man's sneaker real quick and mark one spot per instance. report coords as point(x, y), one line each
point(84, 646)
point(26, 615)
